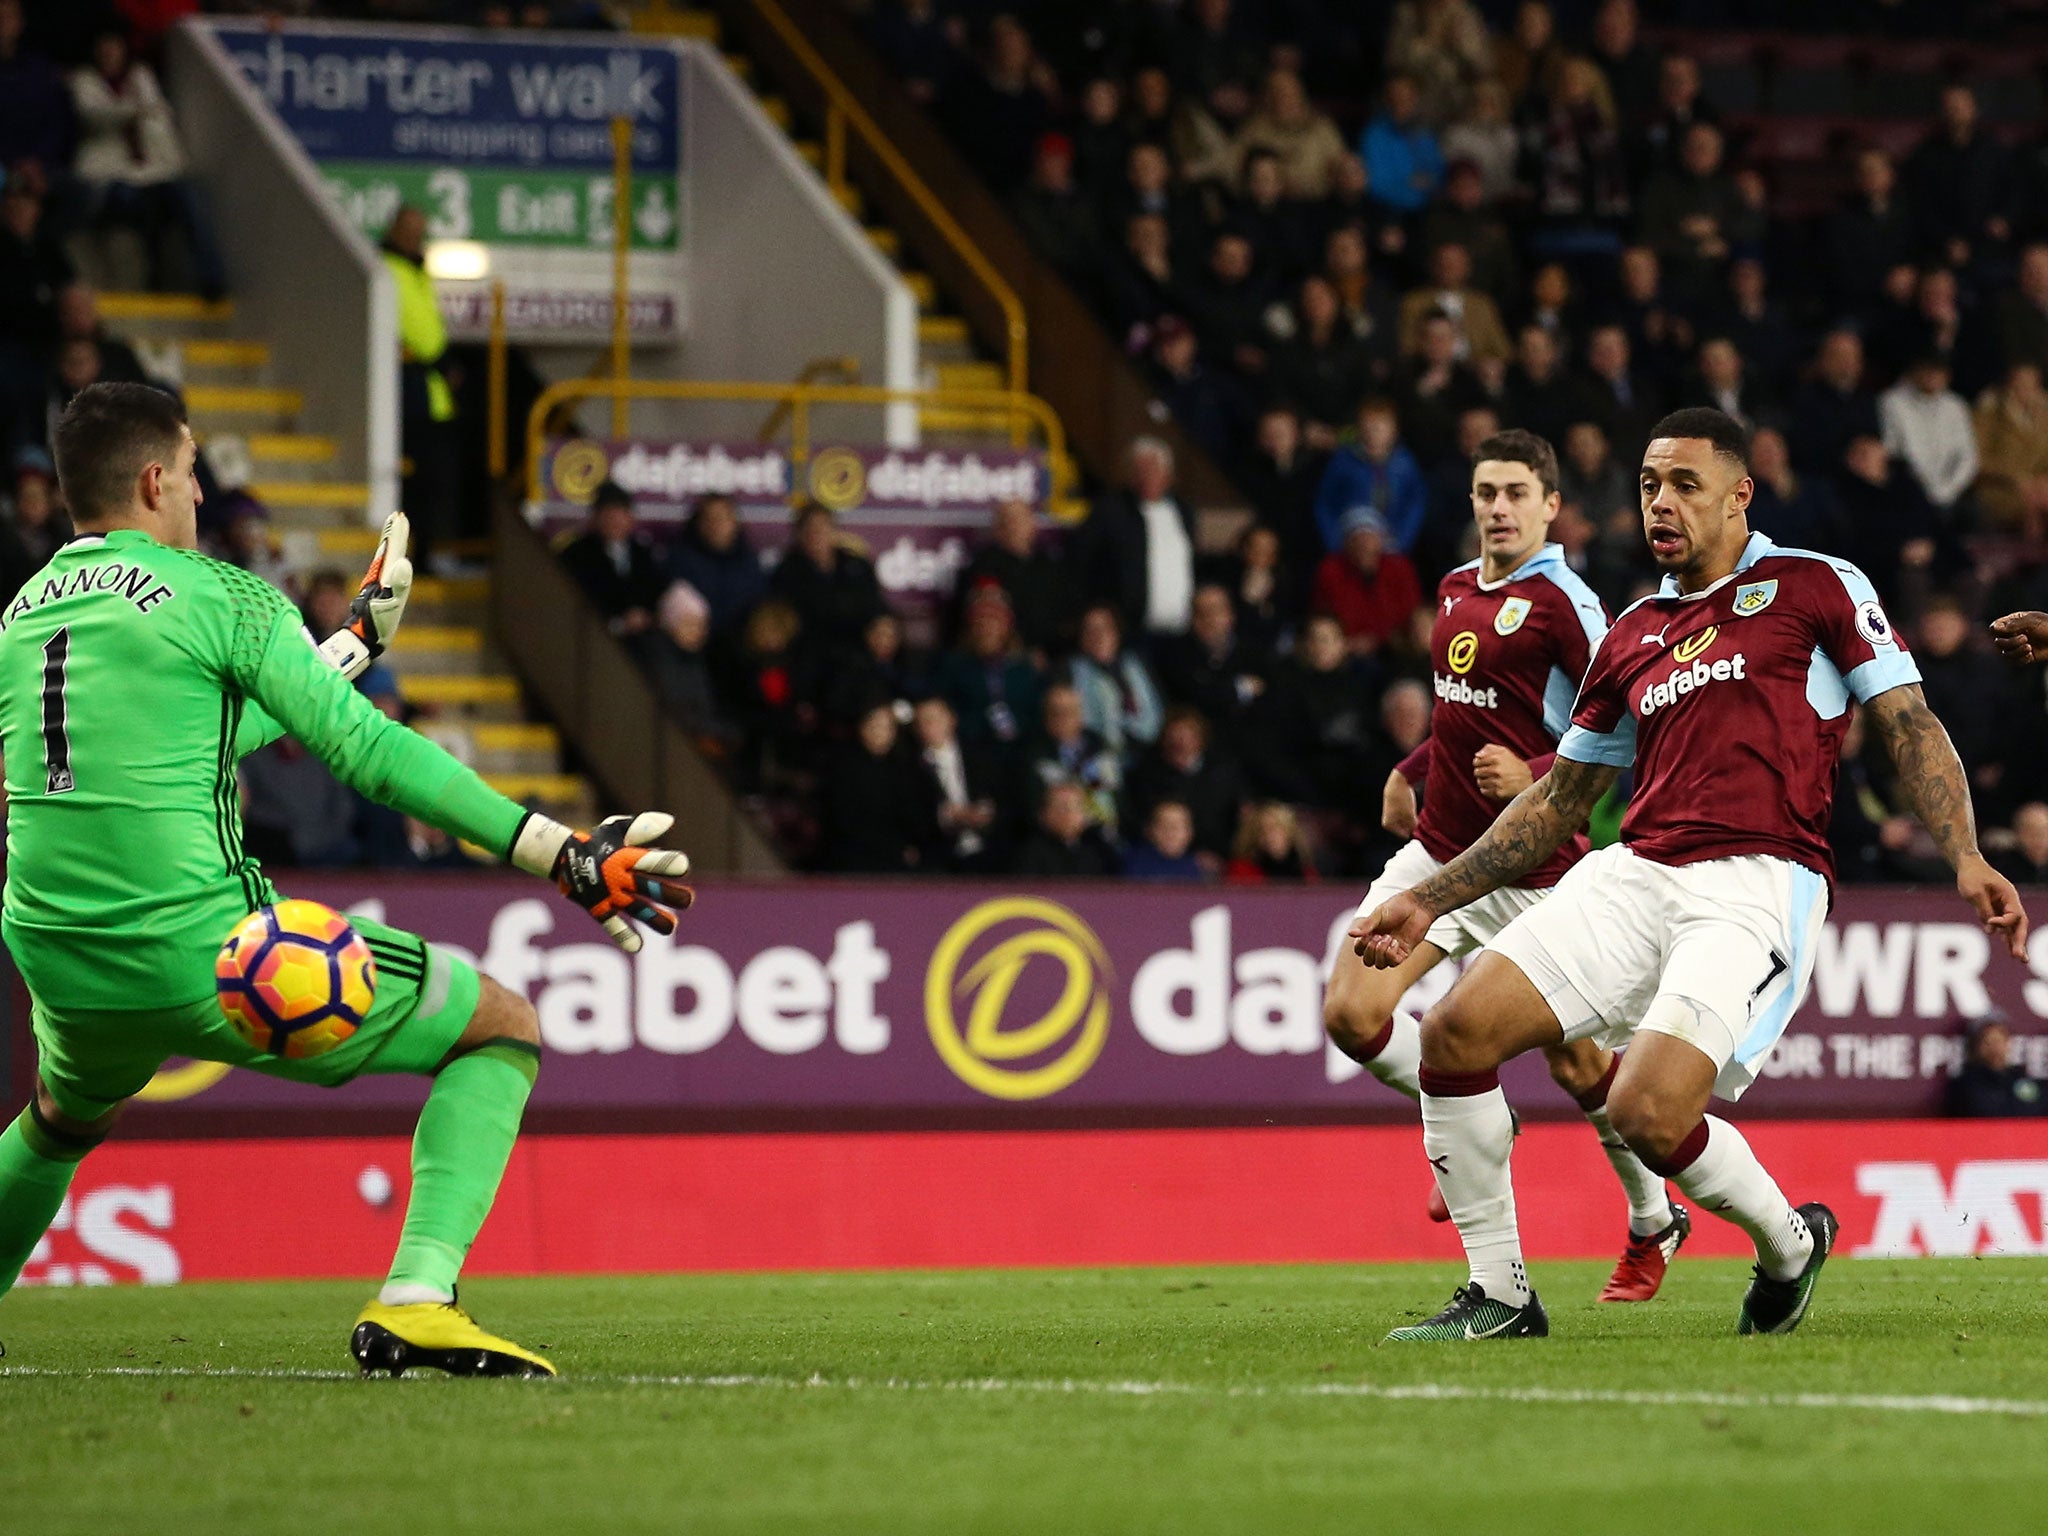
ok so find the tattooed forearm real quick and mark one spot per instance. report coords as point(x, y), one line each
point(1931, 776)
point(1532, 828)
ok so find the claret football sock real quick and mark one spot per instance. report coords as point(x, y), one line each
point(1715, 1166)
point(1649, 1207)
point(36, 1164)
point(459, 1154)
point(1468, 1133)
point(1396, 1054)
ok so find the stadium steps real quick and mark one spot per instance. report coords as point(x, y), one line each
point(444, 661)
point(165, 308)
point(946, 351)
point(323, 495)
point(662, 18)
point(243, 401)
point(207, 352)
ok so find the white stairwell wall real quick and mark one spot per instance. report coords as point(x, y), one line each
point(301, 278)
point(778, 273)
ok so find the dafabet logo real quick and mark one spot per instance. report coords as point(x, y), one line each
point(974, 976)
point(1692, 645)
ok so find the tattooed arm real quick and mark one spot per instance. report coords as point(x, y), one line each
point(1533, 827)
point(1931, 778)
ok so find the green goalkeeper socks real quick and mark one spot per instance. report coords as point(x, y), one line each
point(459, 1154)
point(36, 1164)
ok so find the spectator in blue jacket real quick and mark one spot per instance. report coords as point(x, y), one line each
point(714, 555)
point(1403, 161)
point(1165, 854)
point(1119, 699)
point(1374, 471)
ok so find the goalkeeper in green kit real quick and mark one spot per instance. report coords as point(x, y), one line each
point(134, 673)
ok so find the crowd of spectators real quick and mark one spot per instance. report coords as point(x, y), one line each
point(88, 144)
point(1102, 700)
point(1347, 243)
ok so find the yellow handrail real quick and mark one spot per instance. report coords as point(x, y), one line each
point(622, 247)
point(848, 369)
point(495, 377)
point(800, 398)
point(843, 110)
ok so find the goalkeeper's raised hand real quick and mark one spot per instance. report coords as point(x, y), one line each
point(610, 871)
point(379, 604)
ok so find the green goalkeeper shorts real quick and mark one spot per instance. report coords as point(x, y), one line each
point(91, 1061)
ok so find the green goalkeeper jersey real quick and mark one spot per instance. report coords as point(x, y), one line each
point(132, 678)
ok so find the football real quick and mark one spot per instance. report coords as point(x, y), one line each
point(295, 979)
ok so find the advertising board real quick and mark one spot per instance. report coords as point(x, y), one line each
point(160, 1212)
point(979, 1000)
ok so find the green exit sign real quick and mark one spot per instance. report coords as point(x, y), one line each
point(559, 209)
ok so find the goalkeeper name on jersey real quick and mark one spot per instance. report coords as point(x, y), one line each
point(133, 678)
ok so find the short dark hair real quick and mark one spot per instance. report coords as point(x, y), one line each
point(1729, 436)
point(610, 493)
point(1186, 714)
point(107, 436)
point(1515, 446)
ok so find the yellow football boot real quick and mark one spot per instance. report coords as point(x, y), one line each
point(440, 1336)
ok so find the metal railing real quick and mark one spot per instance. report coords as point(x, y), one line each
point(584, 680)
point(1013, 405)
point(844, 111)
point(848, 371)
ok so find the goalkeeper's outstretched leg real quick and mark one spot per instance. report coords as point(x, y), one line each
point(39, 1152)
point(459, 1154)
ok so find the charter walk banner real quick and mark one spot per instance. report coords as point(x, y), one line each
point(506, 140)
point(984, 1003)
point(503, 139)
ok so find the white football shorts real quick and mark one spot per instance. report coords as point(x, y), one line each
point(1455, 933)
point(1735, 938)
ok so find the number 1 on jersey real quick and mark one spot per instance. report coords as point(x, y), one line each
point(56, 740)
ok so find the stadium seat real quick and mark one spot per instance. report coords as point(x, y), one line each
point(1815, 74)
point(1907, 79)
point(1732, 68)
point(2009, 88)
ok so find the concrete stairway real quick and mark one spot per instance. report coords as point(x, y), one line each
point(947, 355)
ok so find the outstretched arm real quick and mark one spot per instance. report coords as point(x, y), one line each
point(1533, 827)
point(1932, 779)
point(610, 871)
point(2021, 637)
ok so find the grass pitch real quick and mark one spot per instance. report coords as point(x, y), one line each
point(1172, 1401)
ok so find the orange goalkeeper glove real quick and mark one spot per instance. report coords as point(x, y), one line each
point(610, 871)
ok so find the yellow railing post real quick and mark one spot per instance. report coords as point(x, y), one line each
point(799, 440)
point(835, 149)
point(622, 250)
point(498, 404)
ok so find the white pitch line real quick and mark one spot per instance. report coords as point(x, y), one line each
point(1873, 1402)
